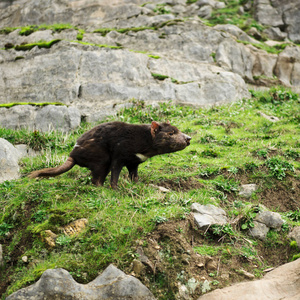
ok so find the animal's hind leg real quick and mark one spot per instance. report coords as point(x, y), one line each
point(99, 173)
point(133, 172)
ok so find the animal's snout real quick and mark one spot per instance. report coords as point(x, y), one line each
point(187, 138)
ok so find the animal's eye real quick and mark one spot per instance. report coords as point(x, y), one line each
point(171, 133)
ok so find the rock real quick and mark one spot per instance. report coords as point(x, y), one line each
point(9, 156)
point(25, 259)
point(18, 116)
point(75, 227)
point(137, 267)
point(236, 32)
point(270, 219)
point(205, 12)
point(287, 66)
point(206, 215)
point(295, 235)
point(59, 284)
point(49, 238)
point(267, 14)
point(25, 151)
point(259, 230)
point(205, 286)
point(274, 33)
point(40, 118)
point(281, 283)
point(247, 190)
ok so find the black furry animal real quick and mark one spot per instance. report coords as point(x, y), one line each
point(111, 146)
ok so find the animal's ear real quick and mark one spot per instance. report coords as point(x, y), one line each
point(154, 128)
point(168, 122)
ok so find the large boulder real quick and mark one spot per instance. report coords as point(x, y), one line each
point(58, 284)
point(282, 283)
point(9, 156)
point(44, 119)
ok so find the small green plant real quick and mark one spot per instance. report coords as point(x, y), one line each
point(226, 185)
point(209, 153)
point(5, 228)
point(294, 215)
point(208, 138)
point(161, 9)
point(251, 166)
point(159, 219)
point(262, 153)
point(221, 230)
point(159, 76)
point(292, 154)
point(278, 167)
point(63, 240)
point(40, 216)
point(248, 221)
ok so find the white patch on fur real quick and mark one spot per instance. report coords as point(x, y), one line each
point(76, 145)
point(142, 157)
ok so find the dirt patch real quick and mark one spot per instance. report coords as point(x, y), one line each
point(173, 251)
point(181, 184)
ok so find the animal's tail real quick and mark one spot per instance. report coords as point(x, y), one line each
point(51, 172)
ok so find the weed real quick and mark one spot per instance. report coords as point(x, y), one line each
point(63, 240)
point(293, 215)
point(5, 229)
point(278, 167)
point(248, 221)
point(209, 153)
point(226, 185)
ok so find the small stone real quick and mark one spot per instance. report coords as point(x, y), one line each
point(246, 190)
point(259, 230)
point(25, 259)
point(75, 227)
point(137, 267)
point(50, 238)
point(270, 219)
point(295, 235)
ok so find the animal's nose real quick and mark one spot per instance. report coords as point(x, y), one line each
point(187, 138)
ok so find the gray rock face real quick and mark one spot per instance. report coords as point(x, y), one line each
point(280, 13)
point(281, 283)
point(44, 119)
point(206, 215)
point(58, 284)
point(9, 156)
point(96, 77)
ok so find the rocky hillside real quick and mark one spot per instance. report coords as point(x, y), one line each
point(98, 54)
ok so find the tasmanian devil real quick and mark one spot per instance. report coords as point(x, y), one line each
point(111, 146)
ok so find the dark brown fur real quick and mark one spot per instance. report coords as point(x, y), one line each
point(111, 146)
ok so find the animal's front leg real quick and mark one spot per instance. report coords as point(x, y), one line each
point(133, 172)
point(116, 168)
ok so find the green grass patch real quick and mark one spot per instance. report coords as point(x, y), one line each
point(27, 47)
point(8, 105)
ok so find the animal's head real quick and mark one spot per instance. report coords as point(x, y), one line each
point(168, 138)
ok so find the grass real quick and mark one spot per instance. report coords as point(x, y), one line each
point(230, 136)
point(8, 105)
